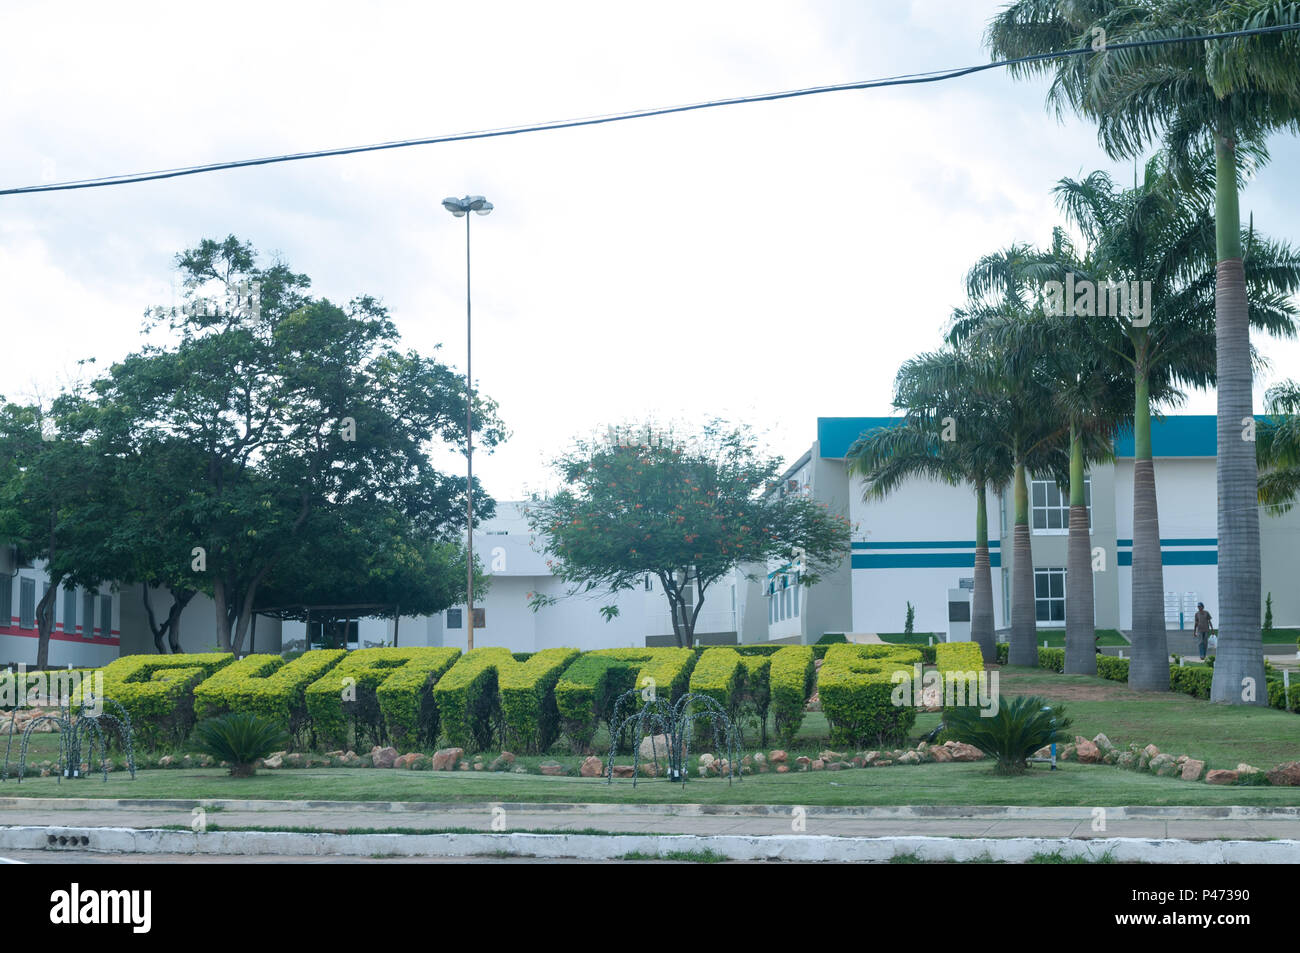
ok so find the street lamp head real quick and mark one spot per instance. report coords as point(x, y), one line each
point(463, 206)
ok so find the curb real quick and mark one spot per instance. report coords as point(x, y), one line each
point(899, 812)
point(797, 847)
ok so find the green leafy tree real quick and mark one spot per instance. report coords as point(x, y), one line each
point(286, 406)
point(379, 564)
point(1223, 97)
point(47, 479)
point(689, 512)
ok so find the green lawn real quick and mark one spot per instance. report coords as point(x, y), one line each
point(909, 638)
point(1055, 638)
point(1281, 636)
point(1073, 785)
point(1221, 735)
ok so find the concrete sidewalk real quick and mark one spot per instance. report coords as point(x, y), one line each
point(1182, 823)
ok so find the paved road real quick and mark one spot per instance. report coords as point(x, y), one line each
point(1074, 823)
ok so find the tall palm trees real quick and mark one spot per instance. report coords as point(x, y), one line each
point(959, 385)
point(1224, 95)
point(1091, 396)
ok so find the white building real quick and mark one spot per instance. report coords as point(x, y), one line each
point(913, 547)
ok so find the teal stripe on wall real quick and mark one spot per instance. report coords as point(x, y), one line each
point(1175, 542)
point(937, 544)
point(920, 560)
point(1176, 558)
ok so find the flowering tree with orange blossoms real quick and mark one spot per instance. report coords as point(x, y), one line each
point(688, 510)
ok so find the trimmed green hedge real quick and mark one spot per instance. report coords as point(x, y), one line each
point(265, 685)
point(857, 684)
point(1051, 659)
point(586, 692)
point(720, 674)
point(490, 694)
point(388, 696)
point(157, 692)
point(790, 680)
point(958, 665)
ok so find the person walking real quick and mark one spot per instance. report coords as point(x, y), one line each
point(1201, 628)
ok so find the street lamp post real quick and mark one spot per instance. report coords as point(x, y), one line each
point(461, 208)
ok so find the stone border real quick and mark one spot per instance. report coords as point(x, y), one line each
point(899, 812)
point(796, 847)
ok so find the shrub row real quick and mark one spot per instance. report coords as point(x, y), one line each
point(265, 685)
point(587, 691)
point(857, 684)
point(490, 694)
point(157, 692)
point(408, 696)
point(385, 692)
point(958, 665)
point(790, 680)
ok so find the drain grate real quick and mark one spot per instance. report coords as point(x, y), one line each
point(66, 840)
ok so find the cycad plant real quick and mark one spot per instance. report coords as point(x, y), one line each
point(1019, 728)
point(240, 739)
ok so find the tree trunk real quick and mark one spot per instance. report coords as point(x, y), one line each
point(222, 612)
point(1023, 649)
point(1239, 666)
point(1149, 669)
point(1080, 628)
point(981, 614)
point(45, 624)
point(174, 620)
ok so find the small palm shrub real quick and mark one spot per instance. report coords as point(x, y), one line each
point(1021, 726)
point(240, 739)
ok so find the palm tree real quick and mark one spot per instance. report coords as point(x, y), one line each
point(1149, 233)
point(1277, 443)
point(930, 388)
point(1091, 393)
point(1225, 95)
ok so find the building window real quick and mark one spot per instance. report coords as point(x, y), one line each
point(1049, 595)
point(26, 603)
point(1050, 508)
point(454, 620)
point(88, 615)
point(6, 601)
point(649, 584)
point(69, 611)
point(106, 616)
point(480, 618)
point(796, 600)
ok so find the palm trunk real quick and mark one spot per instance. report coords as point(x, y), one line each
point(981, 614)
point(1239, 667)
point(1149, 669)
point(1023, 649)
point(1080, 631)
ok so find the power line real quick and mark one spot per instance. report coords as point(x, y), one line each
point(906, 79)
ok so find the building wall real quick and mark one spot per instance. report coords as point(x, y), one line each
point(913, 547)
point(1186, 494)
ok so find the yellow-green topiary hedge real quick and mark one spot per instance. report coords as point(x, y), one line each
point(857, 689)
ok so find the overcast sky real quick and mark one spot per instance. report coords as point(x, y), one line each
point(771, 263)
